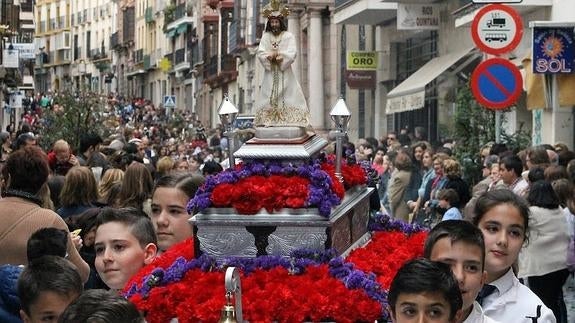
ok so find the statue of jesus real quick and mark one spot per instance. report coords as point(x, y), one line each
point(280, 101)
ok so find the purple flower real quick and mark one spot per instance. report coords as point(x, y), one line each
point(383, 222)
point(320, 193)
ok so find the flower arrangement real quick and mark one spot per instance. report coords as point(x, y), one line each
point(253, 186)
point(307, 286)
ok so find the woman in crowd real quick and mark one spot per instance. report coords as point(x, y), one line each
point(182, 165)
point(111, 180)
point(169, 214)
point(430, 201)
point(378, 161)
point(543, 260)
point(398, 184)
point(196, 163)
point(136, 188)
point(428, 175)
point(80, 192)
point(164, 166)
point(25, 172)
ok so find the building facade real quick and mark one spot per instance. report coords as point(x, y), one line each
point(424, 63)
point(73, 42)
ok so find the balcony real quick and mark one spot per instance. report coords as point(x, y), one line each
point(128, 30)
point(180, 60)
point(178, 17)
point(236, 43)
point(180, 11)
point(63, 57)
point(180, 56)
point(139, 56)
point(114, 41)
point(94, 53)
point(149, 15)
point(155, 56)
point(227, 72)
point(228, 64)
point(149, 64)
point(99, 54)
point(41, 59)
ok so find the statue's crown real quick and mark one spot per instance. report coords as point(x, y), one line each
point(275, 9)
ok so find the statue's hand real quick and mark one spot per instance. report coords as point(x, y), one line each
point(279, 59)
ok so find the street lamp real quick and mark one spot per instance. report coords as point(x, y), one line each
point(340, 115)
point(228, 114)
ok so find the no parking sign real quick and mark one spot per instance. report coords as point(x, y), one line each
point(496, 83)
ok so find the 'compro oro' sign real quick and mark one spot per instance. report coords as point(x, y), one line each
point(362, 60)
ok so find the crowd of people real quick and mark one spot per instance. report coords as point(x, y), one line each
point(527, 195)
point(115, 203)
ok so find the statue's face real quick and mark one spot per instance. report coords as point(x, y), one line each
point(275, 25)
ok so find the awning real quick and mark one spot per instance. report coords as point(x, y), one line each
point(410, 94)
point(136, 72)
point(181, 28)
point(171, 33)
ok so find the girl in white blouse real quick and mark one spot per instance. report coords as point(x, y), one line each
point(503, 217)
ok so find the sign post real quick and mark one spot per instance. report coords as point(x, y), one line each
point(496, 83)
point(170, 101)
point(169, 104)
point(497, 29)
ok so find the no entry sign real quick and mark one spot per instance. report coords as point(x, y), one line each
point(496, 83)
point(497, 29)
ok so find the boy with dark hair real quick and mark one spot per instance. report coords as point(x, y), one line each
point(106, 306)
point(47, 242)
point(46, 287)
point(125, 242)
point(44, 242)
point(460, 245)
point(424, 291)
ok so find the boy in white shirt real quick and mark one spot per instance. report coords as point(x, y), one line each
point(460, 244)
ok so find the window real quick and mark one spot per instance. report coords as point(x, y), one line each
point(411, 55)
point(88, 41)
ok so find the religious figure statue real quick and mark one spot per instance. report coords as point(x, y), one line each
point(280, 101)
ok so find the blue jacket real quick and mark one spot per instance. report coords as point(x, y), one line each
point(9, 301)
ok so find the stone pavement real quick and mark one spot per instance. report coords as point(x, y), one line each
point(569, 296)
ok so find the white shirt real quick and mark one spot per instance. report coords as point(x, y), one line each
point(513, 302)
point(548, 242)
point(477, 315)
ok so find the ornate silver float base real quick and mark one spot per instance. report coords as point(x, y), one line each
point(221, 233)
point(282, 151)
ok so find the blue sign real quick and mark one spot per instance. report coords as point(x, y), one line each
point(496, 83)
point(553, 50)
point(170, 101)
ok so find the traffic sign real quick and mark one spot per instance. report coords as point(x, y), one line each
point(170, 101)
point(497, 29)
point(496, 83)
